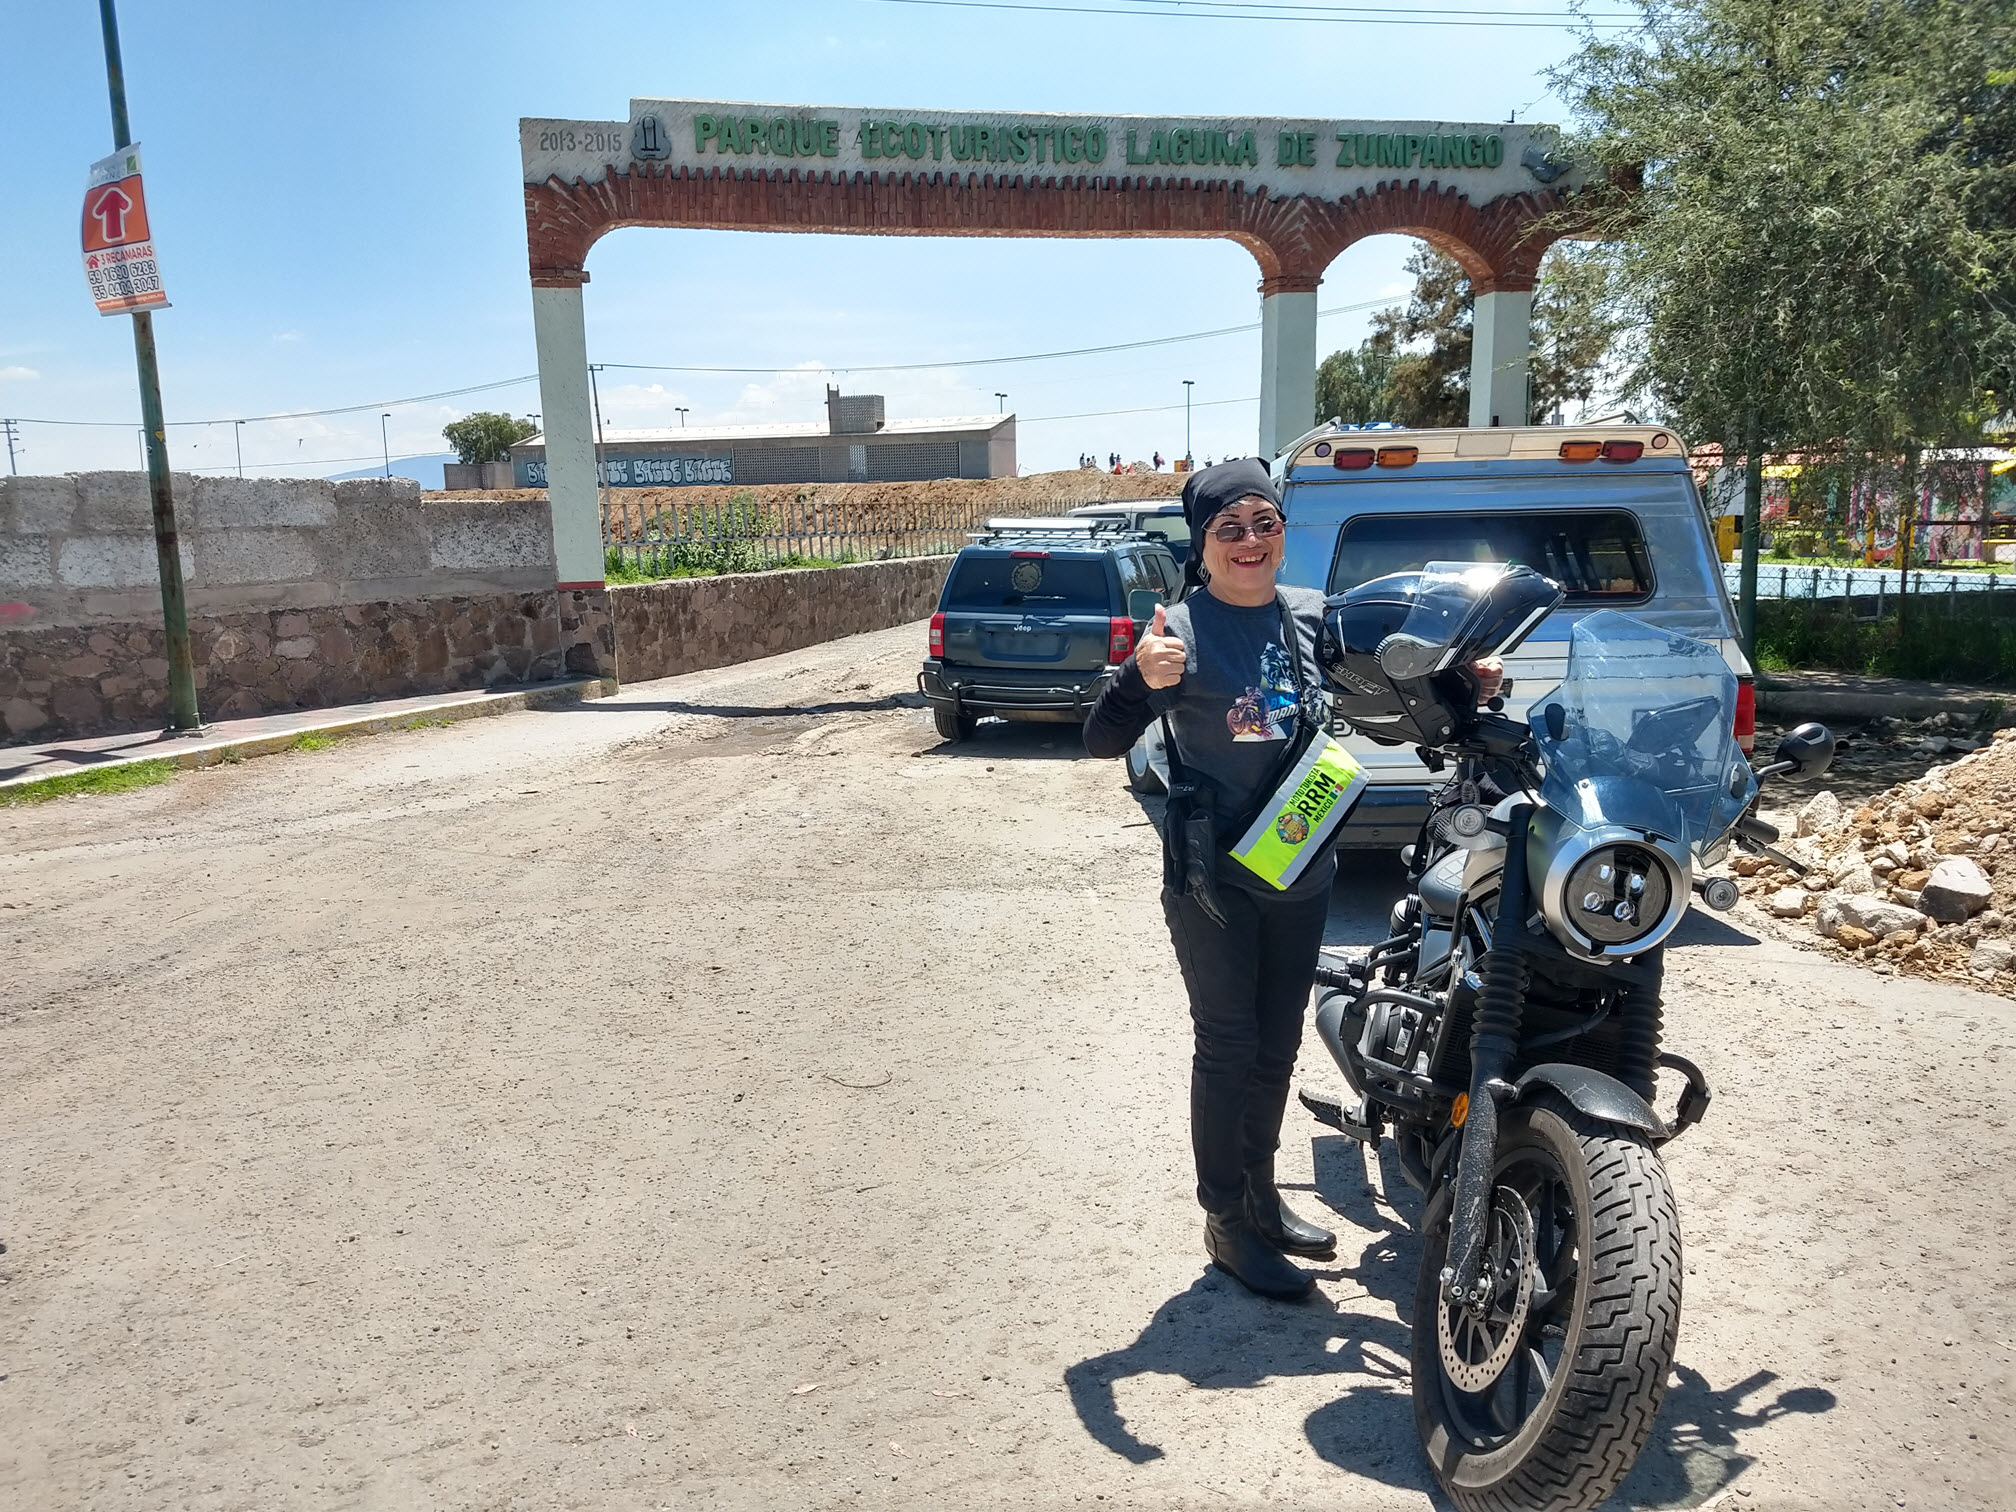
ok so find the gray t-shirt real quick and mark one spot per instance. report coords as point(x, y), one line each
point(1235, 709)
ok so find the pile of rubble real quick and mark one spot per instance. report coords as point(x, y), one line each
point(1921, 878)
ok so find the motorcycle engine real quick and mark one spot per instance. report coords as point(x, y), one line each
point(1392, 1035)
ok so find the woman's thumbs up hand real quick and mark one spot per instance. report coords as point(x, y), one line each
point(1160, 655)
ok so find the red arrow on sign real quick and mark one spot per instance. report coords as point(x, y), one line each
point(110, 212)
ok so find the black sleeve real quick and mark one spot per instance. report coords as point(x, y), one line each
point(1121, 714)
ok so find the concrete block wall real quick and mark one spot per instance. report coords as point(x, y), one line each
point(79, 549)
point(689, 624)
point(302, 592)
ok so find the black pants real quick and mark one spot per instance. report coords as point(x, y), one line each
point(1249, 987)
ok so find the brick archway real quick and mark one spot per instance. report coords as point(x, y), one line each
point(1292, 238)
point(1294, 193)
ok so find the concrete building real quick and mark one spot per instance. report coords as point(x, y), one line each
point(857, 444)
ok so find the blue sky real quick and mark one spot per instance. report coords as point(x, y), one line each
point(335, 198)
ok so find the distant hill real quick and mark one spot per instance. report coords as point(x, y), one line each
point(426, 469)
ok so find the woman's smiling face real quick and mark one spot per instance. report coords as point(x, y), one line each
point(1244, 570)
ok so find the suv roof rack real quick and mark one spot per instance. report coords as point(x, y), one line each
point(1079, 528)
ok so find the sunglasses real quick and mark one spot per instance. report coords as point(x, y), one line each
point(1231, 533)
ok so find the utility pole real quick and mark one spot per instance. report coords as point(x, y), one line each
point(1753, 509)
point(1188, 384)
point(182, 713)
point(238, 440)
point(385, 442)
point(13, 430)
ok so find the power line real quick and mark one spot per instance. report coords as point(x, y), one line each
point(650, 367)
point(918, 367)
point(1147, 409)
point(1220, 10)
point(341, 409)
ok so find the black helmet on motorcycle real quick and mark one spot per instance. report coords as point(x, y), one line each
point(1397, 650)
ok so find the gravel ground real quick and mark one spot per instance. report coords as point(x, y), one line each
point(728, 1096)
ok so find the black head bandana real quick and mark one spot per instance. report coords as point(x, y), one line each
point(1213, 490)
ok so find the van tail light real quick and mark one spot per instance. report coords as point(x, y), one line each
point(1399, 456)
point(1119, 639)
point(1353, 458)
point(1746, 714)
point(1581, 451)
point(937, 635)
point(1623, 451)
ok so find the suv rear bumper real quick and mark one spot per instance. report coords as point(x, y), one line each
point(1006, 690)
point(1386, 818)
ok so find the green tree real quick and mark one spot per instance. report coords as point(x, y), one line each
point(1818, 246)
point(1578, 324)
point(486, 436)
point(1430, 382)
point(1351, 386)
point(1415, 367)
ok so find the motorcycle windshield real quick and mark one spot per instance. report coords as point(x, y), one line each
point(1641, 732)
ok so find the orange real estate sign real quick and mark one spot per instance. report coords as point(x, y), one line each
point(118, 244)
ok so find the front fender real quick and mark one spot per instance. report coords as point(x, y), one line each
point(1593, 1093)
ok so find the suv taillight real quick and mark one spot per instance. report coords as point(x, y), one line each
point(937, 635)
point(1120, 640)
point(1746, 714)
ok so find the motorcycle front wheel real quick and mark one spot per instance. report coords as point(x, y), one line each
point(1541, 1401)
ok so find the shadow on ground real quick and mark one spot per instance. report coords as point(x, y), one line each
point(1016, 740)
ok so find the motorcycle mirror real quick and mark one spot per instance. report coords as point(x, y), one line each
point(1556, 719)
point(1805, 752)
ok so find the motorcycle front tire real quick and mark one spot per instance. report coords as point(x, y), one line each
point(1617, 1322)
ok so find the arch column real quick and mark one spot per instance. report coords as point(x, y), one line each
point(1287, 360)
point(1501, 349)
point(560, 335)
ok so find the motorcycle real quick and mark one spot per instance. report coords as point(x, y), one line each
point(1506, 1037)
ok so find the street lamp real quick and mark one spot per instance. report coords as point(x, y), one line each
point(682, 415)
point(1188, 384)
point(384, 442)
point(1001, 401)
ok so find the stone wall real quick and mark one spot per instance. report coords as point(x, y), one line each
point(302, 592)
point(688, 624)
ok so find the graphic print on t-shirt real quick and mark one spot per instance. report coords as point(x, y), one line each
point(1266, 712)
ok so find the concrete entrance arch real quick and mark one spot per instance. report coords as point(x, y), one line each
point(1294, 193)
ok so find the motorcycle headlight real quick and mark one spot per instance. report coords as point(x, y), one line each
point(1613, 893)
point(1618, 894)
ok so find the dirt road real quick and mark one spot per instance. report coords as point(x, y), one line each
point(728, 1096)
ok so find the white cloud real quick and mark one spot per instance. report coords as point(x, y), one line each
point(18, 375)
point(288, 336)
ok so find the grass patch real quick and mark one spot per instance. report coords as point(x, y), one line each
point(1967, 638)
point(312, 740)
point(422, 722)
point(655, 566)
point(118, 779)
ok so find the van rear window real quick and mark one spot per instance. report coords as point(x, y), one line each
point(990, 581)
point(1598, 555)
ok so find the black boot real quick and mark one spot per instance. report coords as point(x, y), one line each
point(1241, 1253)
point(1277, 1223)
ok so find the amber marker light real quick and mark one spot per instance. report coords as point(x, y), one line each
point(1459, 1110)
point(1399, 456)
point(1581, 451)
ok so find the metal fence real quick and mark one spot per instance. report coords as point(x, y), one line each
point(1811, 581)
point(747, 533)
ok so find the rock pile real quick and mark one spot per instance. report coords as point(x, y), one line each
point(1921, 878)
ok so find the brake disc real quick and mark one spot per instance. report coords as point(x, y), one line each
point(1476, 1347)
